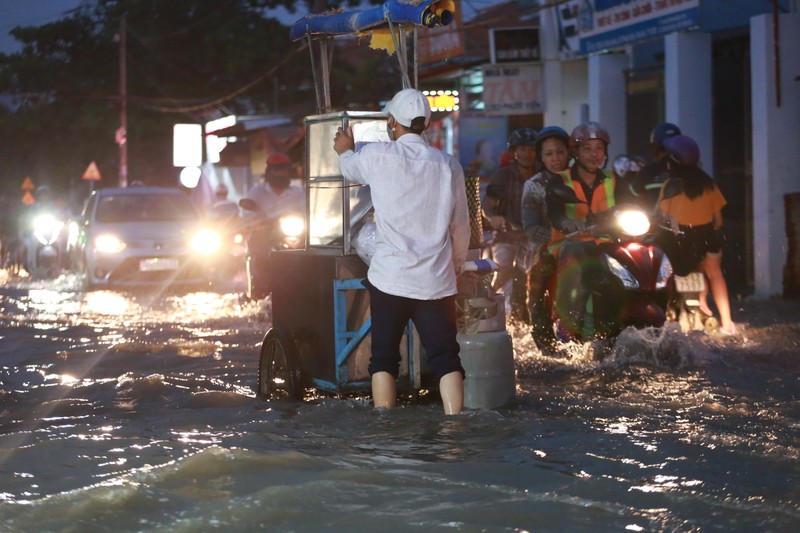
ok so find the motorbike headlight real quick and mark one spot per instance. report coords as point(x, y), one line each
point(108, 244)
point(292, 226)
point(616, 268)
point(206, 242)
point(664, 273)
point(633, 222)
point(46, 228)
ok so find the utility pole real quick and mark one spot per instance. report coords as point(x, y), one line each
point(122, 132)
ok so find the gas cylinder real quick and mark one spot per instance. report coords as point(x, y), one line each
point(488, 361)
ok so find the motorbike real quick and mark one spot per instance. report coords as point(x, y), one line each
point(231, 258)
point(685, 290)
point(634, 288)
point(44, 249)
point(265, 235)
point(684, 307)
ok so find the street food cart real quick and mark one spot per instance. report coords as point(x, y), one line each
point(320, 309)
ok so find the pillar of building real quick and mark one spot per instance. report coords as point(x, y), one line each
point(607, 96)
point(687, 81)
point(776, 138)
point(551, 68)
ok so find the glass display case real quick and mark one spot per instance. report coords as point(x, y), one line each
point(336, 206)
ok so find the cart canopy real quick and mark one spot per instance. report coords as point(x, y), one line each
point(428, 13)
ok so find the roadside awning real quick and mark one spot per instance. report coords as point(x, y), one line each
point(239, 125)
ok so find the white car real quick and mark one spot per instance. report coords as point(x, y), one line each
point(140, 235)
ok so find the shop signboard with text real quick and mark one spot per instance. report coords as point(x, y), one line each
point(606, 24)
point(514, 45)
point(512, 89)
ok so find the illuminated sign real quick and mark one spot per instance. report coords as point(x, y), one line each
point(187, 145)
point(442, 100)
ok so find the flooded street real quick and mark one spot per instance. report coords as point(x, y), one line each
point(137, 412)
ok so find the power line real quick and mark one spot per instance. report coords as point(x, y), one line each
point(300, 46)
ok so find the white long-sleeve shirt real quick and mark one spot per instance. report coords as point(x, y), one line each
point(421, 215)
point(291, 200)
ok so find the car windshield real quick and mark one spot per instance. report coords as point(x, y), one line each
point(145, 208)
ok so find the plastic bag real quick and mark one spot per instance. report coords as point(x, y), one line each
point(364, 239)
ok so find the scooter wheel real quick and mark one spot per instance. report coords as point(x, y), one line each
point(711, 325)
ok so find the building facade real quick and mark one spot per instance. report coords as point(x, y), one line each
point(727, 73)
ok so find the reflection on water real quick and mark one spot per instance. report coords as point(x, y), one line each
point(105, 303)
point(136, 412)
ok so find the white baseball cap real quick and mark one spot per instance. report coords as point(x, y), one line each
point(407, 105)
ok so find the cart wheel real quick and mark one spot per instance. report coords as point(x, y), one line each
point(278, 370)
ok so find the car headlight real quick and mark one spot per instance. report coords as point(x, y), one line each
point(616, 268)
point(633, 222)
point(664, 273)
point(206, 242)
point(108, 244)
point(292, 226)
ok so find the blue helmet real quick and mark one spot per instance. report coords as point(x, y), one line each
point(548, 132)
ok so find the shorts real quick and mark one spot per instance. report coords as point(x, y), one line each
point(692, 246)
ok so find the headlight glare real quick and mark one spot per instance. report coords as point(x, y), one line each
point(108, 244)
point(292, 226)
point(206, 242)
point(46, 228)
point(633, 222)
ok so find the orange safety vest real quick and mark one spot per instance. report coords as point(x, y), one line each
point(602, 199)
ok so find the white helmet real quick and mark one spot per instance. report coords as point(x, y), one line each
point(622, 164)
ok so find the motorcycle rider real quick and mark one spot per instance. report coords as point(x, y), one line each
point(698, 212)
point(223, 208)
point(646, 185)
point(510, 247)
point(275, 196)
point(45, 205)
point(578, 259)
point(552, 153)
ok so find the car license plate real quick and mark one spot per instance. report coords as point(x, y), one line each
point(694, 282)
point(158, 263)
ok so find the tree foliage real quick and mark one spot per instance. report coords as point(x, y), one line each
point(187, 61)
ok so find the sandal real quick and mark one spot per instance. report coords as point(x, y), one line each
point(727, 332)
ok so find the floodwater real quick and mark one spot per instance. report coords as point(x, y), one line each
point(137, 412)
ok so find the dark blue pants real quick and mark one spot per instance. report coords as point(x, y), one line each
point(435, 321)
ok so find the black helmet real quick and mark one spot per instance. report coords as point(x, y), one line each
point(522, 137)
point(44, 193)
point(662, 131)
point(549, 132)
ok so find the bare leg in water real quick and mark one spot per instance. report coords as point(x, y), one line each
point(712, 267)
